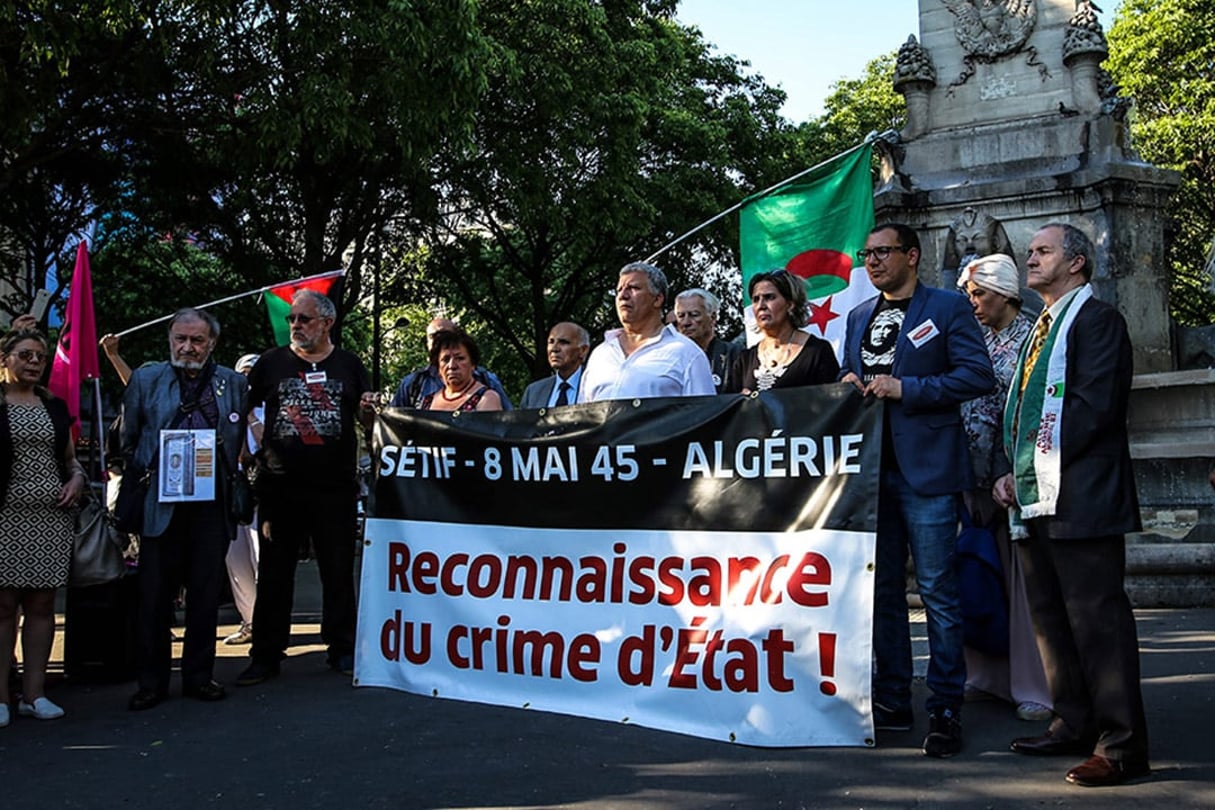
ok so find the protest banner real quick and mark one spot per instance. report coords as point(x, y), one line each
point(700, 565)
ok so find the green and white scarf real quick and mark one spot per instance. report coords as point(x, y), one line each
point(1033, 420)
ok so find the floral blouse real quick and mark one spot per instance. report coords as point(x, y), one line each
point(984, 417)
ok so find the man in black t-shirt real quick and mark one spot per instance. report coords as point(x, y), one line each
point(314, 394)
point(919, 352)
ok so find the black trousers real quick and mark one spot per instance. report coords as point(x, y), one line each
point(190, 552)
point(1087, 638)
point(326, 522)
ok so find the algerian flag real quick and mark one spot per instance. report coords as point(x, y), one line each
point(278, 300)
point(813, 229)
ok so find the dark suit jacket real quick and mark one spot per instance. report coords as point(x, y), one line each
point(537, 393)
point(938, 376)
point(1097, 494)
point(149, 405)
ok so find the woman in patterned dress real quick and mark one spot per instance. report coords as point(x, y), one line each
point(40, 484)
point(785, 356)
point(455, 354)
point(993, 285)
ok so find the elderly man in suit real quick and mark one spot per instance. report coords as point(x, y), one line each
point(184, 539)
point(1073, 487)
point(568, 344)
point(696, 317)
point(917, 350)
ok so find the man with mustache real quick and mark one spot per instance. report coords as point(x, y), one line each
point(183, 539)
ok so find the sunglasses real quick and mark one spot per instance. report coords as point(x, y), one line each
point(301, 319)
point(31, 356)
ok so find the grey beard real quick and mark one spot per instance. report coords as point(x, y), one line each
point(188, 365)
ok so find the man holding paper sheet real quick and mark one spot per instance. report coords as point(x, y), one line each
point(183, 423)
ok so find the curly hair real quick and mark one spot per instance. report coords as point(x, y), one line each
point(450, 339)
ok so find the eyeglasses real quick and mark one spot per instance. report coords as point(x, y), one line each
point(880, 253)
point(31, 356)
point(300, 319)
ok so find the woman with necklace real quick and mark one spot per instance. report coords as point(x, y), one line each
point(40, 485)
point(455, 354)
point(785, 356)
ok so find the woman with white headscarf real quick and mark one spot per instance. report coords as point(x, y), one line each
point(993, 285)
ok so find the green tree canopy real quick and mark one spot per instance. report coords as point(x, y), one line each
point(1162, 53)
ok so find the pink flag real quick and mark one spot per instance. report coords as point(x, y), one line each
point(76, 354)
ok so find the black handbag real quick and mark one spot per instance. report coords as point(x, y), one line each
point(243, 500)
point(129, 507)
point(97, 546)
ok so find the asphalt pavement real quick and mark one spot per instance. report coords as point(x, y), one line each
point(308, 739)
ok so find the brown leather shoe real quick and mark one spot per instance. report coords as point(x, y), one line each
point(1049, 745)
point(1097, 771)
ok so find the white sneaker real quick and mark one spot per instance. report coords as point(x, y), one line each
point(4, 715)
point(41, 708)
point(1029, 710)
point(242, 636)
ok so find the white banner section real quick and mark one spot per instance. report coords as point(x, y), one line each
point(761, 638)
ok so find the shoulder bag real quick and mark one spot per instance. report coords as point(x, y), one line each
point(97, 546)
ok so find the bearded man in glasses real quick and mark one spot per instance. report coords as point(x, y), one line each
point(917, 350)
point(313, 394)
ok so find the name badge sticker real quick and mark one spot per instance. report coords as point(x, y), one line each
point(315, 377)
point(923, 333)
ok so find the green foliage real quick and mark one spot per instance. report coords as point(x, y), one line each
point(607, 130)
point(1162, 53)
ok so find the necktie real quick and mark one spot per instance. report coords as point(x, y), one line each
point(1035, 347)
point(563, 394)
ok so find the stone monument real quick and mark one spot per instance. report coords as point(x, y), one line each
point(1011, 121)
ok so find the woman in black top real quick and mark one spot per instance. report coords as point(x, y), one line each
point(786, 356)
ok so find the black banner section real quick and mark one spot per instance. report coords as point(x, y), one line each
point(787, 460)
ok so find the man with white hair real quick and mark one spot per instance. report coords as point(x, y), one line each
point(696, 318)
point(184, 534)
point(316, 397)
point(644, 358)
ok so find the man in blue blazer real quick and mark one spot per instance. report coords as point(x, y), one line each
point(182, 539)
point(568, 344)
point(919, 351)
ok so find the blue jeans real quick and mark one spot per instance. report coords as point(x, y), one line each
point(928, 525)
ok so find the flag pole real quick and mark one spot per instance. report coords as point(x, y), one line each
point(236, 297)
point(888, 135)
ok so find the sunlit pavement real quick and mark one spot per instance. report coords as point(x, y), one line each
point(307, 739)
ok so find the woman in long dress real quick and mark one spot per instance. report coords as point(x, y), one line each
point(993, 285)
point(40, 484)
point(785, 356)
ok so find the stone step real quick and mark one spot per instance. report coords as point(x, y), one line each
point(1170, 574)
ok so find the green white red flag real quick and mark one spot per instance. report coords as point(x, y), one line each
point(278, 300)
point(76, 353)
point(813, 228)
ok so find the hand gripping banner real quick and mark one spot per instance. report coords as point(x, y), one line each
point(700, 565)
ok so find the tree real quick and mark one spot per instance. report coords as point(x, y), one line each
point(1162, 53)
point(59, 100)
point(608, 130)
point(286, 134)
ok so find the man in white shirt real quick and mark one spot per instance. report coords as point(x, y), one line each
point(568, 344)
point(644, 358)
